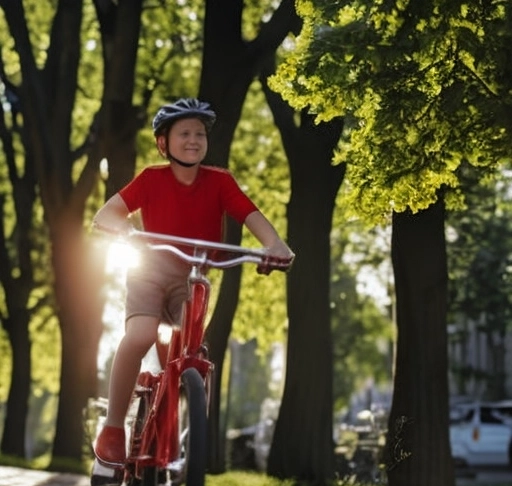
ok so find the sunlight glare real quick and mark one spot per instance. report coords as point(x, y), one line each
point(164, 333)
point(121, 256)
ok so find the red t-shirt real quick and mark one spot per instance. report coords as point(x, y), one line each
point(196, 211)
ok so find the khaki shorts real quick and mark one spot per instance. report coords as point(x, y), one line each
point(157, 287)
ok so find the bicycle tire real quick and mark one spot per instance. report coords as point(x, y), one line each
point(192, 428)
point(149, 475)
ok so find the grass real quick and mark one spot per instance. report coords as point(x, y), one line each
point(246, 478)
point(237, 478)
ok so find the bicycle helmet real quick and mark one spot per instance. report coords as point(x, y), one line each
point(183, 108)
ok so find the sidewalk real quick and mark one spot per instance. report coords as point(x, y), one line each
point(13, 476)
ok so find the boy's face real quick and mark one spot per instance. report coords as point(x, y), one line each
point(187, 141)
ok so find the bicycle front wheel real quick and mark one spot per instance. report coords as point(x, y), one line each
point(192, 429)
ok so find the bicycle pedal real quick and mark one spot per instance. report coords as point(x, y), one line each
point(141, 390)
point(105, 476)
point(177, 471)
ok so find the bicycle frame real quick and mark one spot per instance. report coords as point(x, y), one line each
point(159, 443)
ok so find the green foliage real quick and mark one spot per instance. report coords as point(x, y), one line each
point(5, 368)
point(361, 325)
point(249, 384)
point(254, 14)
point(90, 81)
point(41, 421)
point(170, 50)
point(479, 251)
point(39, 463)
point(480, 281)
point(424, 87)
point(258, 162)
point(46, 352)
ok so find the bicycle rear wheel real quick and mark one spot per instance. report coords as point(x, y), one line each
point(192, 430)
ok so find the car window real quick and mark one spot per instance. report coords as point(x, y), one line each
point(507, 411)
point(462, 416)
point(490, 415)
point(504, 414)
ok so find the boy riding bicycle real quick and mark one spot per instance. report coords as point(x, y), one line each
point(180, 198)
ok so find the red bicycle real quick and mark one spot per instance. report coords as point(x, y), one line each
point(167, 441)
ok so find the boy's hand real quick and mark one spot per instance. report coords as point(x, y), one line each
point(122, 229)
point(274, 263)
point(279, 257)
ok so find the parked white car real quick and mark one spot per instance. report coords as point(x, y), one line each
point(481, 433)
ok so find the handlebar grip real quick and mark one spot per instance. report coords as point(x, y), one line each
point(271, 263)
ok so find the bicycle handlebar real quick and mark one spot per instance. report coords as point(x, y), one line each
point(208, 253)
point(203, 259)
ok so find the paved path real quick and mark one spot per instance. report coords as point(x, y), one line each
point(12, 476)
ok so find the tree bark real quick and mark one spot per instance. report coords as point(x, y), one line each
point(13, 438)
point(120, 120)
point(230, 65)
point(17, 278)
point(77, 279)
point(418, 449)
point(302, 446)
point(217, 338)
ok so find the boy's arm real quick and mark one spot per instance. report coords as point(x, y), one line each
point(266, 234)
point(113, 215)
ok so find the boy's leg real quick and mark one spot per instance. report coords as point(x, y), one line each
point(141, 333)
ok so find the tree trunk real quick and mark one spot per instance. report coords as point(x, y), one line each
point(13, 439)
point(17, 278)
point(120, 120)
point(302, 446)
point(77, 280)
point(230, 64)
point(418, 449)
point(217, 337)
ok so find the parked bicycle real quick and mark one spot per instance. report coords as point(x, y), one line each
point(167, 440)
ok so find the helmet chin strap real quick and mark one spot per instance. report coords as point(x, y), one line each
point(184, 164)
point(172, 158)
